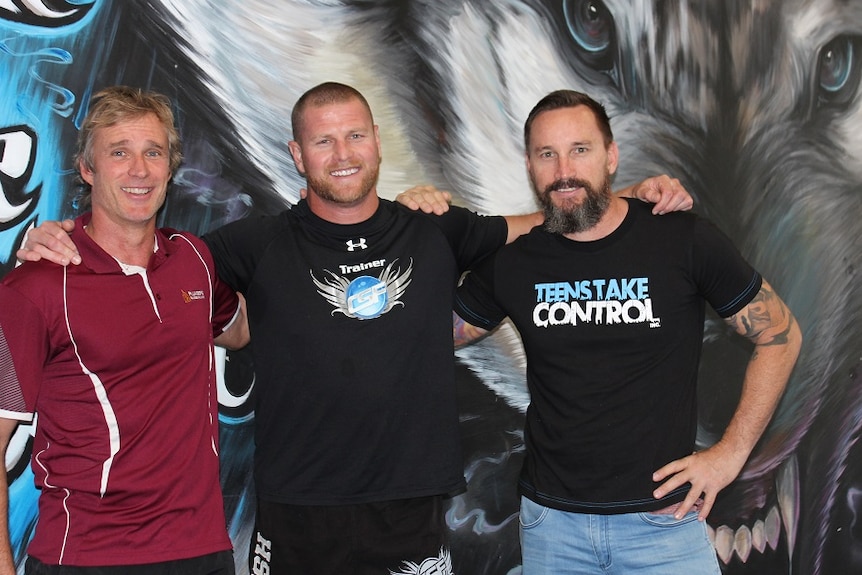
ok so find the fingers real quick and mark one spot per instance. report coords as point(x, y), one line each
point(705, 471)
point(672, 476)
point(669, 195)
point(676, 471)
point(690, 502)
point(28, 256)
point(50, 241)
point(708, 502)
point(426, 198)
point(440, 203)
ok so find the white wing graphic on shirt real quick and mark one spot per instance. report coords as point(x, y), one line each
point(362, 297)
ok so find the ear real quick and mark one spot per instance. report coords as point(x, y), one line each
point(296, 152)
point(86, 173)
point(377, 139)
point(613, 157)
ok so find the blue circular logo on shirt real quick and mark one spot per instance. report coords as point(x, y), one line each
point(366, 297)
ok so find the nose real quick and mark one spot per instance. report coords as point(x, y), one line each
point(138, 166)
point(341, 150)
point(566, 168)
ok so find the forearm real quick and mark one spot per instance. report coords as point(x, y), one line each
point(627, 192)
point(465, 333)
point(765, 380)
point(7, 562)
point(520, 225)
point(777, 339)
point(236, 335)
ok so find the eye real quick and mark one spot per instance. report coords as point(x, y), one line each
point(591, 26)
point(838, 70)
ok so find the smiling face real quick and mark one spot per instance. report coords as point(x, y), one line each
point(570, 167)
point(338, 150)
point(130, 172)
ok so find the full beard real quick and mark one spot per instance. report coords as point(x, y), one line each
point(570, 217)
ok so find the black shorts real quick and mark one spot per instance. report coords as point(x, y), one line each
point(220, 563)
point(405, 536)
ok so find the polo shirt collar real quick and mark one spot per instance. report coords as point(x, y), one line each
point(100, 261)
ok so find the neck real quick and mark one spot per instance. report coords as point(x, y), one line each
point(611, 220)
point(131, 245)
point(343, 213)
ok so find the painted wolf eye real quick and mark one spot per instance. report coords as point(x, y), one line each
point(590, 24)
point(838, 70)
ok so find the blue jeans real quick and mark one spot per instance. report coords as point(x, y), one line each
point(557, 542)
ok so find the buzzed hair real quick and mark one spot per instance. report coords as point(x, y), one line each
point(322, 95)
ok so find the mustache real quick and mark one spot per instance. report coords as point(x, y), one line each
point(566, 183)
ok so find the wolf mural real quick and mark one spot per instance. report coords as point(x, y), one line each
point(754, 104)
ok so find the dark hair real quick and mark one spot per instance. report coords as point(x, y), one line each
point(118, 104)
point(569, 99)
point(321, 95)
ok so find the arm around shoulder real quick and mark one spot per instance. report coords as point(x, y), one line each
point(465, 333)
point(50, 241)
point(520, 225)
point(667, 193)
point(236, 335)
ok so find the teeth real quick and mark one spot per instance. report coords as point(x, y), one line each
point(347, 172)
point(788, 499)
point(745, 539)
point(773, 528)
point(758, 536)
point(724, 543)
point(136, 191)
point(742, 543)
point(764, 533)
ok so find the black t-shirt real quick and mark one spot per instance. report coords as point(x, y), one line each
point(351, 330)
point(612, 331)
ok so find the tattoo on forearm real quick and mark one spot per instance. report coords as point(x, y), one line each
point(765, 319)
point(459, 328)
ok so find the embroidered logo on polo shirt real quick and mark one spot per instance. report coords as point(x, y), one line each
point(364, 297)
point(191, 295)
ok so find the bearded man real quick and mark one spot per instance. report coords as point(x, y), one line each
point(610, 302)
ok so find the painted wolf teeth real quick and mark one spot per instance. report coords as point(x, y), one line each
point(766, 532)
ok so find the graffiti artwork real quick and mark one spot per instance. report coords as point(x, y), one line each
point(754, 105)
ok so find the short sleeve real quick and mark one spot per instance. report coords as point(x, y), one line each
point(726, 280)
point(472, 236)
point(474, 299)
point(24, 348)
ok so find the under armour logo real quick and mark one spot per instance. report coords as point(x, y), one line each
point(352, 245)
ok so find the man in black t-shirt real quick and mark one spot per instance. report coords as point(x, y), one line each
point(609, 303)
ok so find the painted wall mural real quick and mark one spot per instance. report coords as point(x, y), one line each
point(754, 104)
